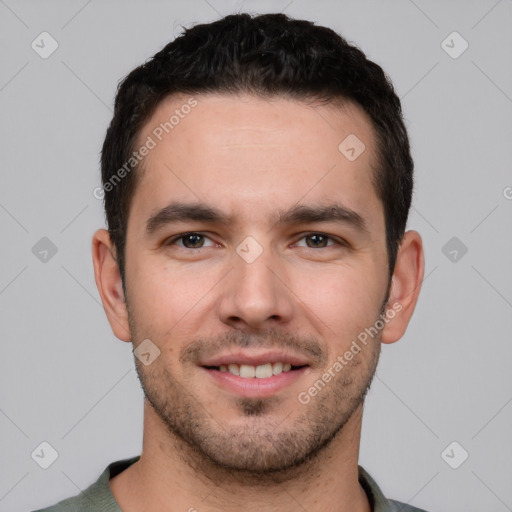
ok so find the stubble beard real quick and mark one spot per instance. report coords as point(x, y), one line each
point(258, 449)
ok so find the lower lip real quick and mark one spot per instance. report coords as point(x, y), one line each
point(256, 388)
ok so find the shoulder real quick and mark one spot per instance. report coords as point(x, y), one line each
point(97, 496)
point(378, 501)
point(69, 505)
point(404, 507)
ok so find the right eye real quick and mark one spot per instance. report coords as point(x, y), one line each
point(190, 240)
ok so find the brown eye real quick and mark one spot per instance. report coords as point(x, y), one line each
point(191, 241)
point(317, 241)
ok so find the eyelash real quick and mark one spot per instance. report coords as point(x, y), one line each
point(181, 236)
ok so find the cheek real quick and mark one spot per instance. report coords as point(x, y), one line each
point(164, 295)
point(340, 304)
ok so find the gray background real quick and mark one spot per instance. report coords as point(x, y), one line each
point(65, 379)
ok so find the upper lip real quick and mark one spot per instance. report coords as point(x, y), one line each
point(255, 359)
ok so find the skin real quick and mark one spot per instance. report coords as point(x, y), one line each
point(206, 448)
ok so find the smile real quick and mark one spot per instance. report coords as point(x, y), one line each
point(260, 381)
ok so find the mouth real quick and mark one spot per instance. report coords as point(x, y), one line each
point(255, 376)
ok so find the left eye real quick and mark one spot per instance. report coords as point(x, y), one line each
point(317, 240)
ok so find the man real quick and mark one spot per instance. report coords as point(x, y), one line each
point(257, 181)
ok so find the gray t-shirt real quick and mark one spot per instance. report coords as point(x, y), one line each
point(98, 496)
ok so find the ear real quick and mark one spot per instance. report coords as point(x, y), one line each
point(405, 286)
point(110, 287)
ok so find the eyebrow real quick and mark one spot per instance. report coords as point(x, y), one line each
point(302, 214)
point(176, 212)
point(298, 214)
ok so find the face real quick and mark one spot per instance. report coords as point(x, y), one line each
point(255, 256)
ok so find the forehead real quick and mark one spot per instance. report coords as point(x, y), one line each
point(249, 155)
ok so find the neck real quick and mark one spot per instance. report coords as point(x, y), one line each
point(170, 476)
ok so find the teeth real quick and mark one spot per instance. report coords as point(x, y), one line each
point(234, 369)
point(247, 371)
point(277, 368)
point(263, 371)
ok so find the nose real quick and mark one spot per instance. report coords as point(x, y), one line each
point(256, 295)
